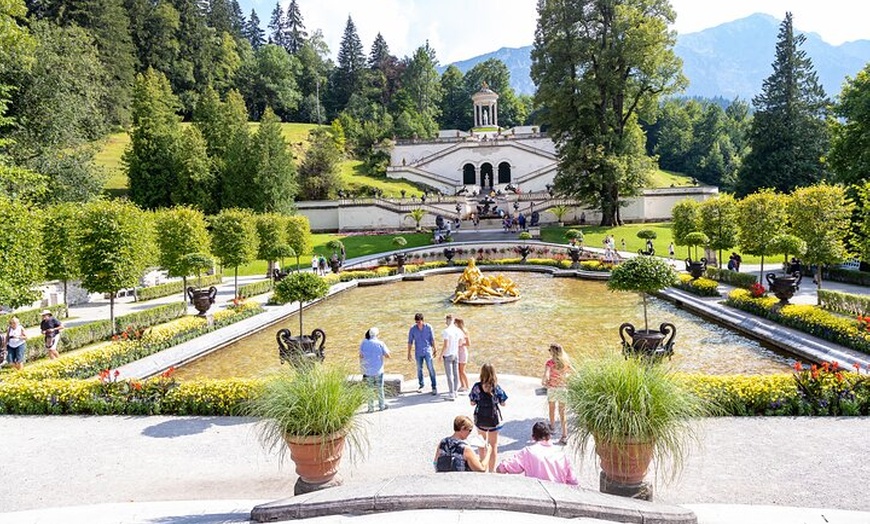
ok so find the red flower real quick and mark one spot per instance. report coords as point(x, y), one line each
point(798, 367)
point(835, 365)
point(117, 373)
point(857, 366)
point(136, 385)
point(838, 376)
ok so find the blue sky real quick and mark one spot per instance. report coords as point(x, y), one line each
point(461, 29)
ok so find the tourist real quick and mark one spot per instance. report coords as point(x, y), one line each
point(455, 454)
point(622, 243)
point(51, 328)
point(737, 261)
point(321, 265)
point(487, 397)
point(372, 353)
point(649, 247)
point(16, 343)
point(451, 336)
point(556, 372)
point(315, 264)
point(422, 338)
point(671, 250)
point(731, 262)
point(541, 460)
point(463, 354)
point(583, 217)
point(476, 220)
point(521, 218)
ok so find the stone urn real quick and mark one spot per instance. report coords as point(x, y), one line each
point(400, 262)
point(524, 252)
point(202, 299)
point(301, 350)
point(449, 253)
point(784, 287)
point(696, 268)
point(574, 253)
point(649, 343)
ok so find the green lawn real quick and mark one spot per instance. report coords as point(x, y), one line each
point(663, 178)
point(355, 245)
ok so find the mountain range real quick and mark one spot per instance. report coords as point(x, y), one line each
point(730, 60)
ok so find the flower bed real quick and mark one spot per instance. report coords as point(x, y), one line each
point(809, 319)
point(825, 390)
point(702, 286)
point(131, 345)
point(734, 278)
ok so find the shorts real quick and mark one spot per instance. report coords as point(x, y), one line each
point(557, 395)
point(463, 354)
point(16, 355)
point(51, 341)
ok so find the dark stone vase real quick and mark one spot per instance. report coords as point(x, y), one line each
point(524, 252)
point(449, 253)
point(784, 287)
point(574, 252)
point(648, 343)
point(202, 299)
point(400, 262)
point(301, 350)
point(696, 268)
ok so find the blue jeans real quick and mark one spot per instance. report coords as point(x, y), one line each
point(376, 382)
point(427, 358)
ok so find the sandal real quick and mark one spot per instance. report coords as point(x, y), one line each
point(563, 441)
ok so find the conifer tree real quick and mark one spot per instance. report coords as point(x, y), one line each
point(274, 183)
point(319, 175)
point(386, 72)
point(253, 32)
point(788, 135)
point(347, 77)
point(278, 27)
point(295, 29)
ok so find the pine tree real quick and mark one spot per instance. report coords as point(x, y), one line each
point(789, 135)
point(151, 157)
point(275, 178)
point(237, 19)
point(420, 95)
point(192, 72)
point(348, 76)
point(319, 174)
point(253, 32)
point(387, 71)
point(278, 27)
point(295, 29)
point(219, 16)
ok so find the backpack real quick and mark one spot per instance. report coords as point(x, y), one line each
point(487, 413)
point(451, 457)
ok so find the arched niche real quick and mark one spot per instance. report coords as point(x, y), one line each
point(469, 174)
point(504, 173)
point(486, 178)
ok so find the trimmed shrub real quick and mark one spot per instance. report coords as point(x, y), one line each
point(174, 287)
point(734, 278)
point(702, 287)
point(809, 319)
point(845, 303)
point(255, 288)
point(32, 317)
point(836, 274)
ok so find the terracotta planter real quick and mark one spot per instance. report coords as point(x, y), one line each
point(624, 463)
point(317, 457)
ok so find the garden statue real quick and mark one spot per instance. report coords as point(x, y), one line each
point(477, 289)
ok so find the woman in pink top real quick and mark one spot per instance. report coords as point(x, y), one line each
point(541, 460)
point(463, 354)
point(556, 373)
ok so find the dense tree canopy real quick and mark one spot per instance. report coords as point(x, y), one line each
point(789, 134)
point(850, 142)
point(598, 66)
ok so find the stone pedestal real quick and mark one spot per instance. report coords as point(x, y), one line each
point(642, 491)
point(302, 487)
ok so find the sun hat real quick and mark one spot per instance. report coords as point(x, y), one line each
point(373, 332)
point(45, 312)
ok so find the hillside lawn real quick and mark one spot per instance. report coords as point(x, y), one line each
point(109, 158)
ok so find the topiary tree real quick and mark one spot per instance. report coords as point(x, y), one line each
point(647, 234)
point(696, 239)
point(182, 241)
point(59, 229)
point(234, 240)
point(299, 237)
point(685, 219)
point(197, 263)
point(719, 223)
point(271, 239)
point(116, 245)
point(574, 235)
point(643, 275)
point(21, 259)
point(761, 216)
point(300, 287)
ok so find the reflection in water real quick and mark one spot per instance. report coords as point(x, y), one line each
point(581, 315)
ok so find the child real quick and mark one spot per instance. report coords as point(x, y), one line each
point(556, 372)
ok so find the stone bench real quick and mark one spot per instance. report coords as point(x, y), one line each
point(392, 383)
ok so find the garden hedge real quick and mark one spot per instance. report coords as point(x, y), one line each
point(32, 317)
point(255, 288)
point(734, 278)
point(175, 287)
point(847, 276)
point(845, 303)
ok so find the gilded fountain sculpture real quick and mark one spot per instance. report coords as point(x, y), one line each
point(478, 289)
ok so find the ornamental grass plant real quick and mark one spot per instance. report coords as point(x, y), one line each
point(620, 401)
point(314, 401)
